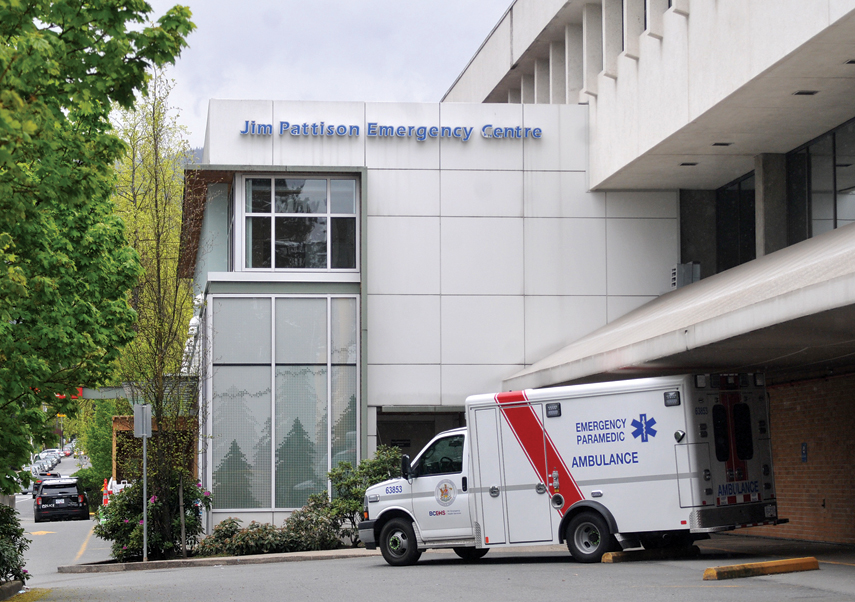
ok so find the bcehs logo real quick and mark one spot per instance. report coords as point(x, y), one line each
point(436, 513)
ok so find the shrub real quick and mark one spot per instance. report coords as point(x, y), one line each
point(91, 482)
point(349, 485)
point(13, 544)
point(121, 521)
point(313, 527)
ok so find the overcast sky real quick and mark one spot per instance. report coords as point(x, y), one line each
point(372, 50)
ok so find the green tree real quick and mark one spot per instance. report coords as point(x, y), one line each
point(64, 267)
point(149, 196)
point(98, 438)
point(294, 467)
point(232, 488)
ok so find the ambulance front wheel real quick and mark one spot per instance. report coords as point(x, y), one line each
point(398, 543)
point(588, 537)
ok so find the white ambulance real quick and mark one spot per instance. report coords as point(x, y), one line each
point(656, 461)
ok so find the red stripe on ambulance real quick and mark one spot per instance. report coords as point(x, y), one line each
point(538, 447)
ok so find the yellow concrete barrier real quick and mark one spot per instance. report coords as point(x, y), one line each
point(656, 554)
point(736, 571)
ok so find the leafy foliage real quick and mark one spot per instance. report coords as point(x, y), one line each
point(121, 521)
point(91, 482)
point(13, 544)
point(97, 438)
point(311, 528)
point(64, 266)
point(349, 485)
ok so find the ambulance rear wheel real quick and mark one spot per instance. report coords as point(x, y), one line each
point(588, 537)
point(398, 543)
point(471, 554)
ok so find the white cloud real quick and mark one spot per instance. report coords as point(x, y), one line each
point(374, 50)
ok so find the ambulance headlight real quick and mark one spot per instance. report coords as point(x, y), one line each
point(373, 498)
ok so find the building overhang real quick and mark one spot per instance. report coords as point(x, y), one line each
point(790, 314)
point(800, 97)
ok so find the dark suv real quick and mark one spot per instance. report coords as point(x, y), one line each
point(60, 499)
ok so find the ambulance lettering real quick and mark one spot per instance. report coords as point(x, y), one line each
point(740, 488)
point(604, 460)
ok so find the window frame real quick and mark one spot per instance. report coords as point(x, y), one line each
point(241, 214)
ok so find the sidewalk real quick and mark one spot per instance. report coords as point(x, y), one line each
point(112, 567)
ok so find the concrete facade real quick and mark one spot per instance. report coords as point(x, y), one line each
point(476, 257)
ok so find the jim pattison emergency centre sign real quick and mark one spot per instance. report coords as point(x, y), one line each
point(420, 133)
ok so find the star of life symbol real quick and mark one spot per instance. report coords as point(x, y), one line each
point(644, 428)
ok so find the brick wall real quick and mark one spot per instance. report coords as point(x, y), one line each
point(818, 496)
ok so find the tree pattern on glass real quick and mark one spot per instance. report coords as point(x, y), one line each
point(295, 478)
point(232, 485)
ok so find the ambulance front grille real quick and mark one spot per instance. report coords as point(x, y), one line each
point(743, 514)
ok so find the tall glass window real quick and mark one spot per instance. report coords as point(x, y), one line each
point(821, 184)
point(735, 223)
point(282, 419)
point(300, 223)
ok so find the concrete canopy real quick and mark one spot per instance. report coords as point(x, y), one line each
point(798, 98)
point(790, 314)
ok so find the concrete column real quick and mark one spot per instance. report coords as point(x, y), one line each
point(371, 433)
point(592, 47)
point(514, 96)
point(573, 61)
point(698, 229)
point(541, 81)
point(655, 10)
point(770, 203)
point(527, 89)
point(633, 27)
point(612, 36)
point(557, 73)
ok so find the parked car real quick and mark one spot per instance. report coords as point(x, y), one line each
point(41, 476)
point(60, 499)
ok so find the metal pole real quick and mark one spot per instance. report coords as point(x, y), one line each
point(145, 500)
point(181, 510)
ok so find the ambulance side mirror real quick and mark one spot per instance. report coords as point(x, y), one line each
point(406, 469)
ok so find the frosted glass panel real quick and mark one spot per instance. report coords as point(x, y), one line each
point(343, 331)
point(301, 433)
point(301, 331)
point(242, 331)
point(241, 437)
point(344, 439)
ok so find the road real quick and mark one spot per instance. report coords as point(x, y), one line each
point(544, 577)
point(59, 542)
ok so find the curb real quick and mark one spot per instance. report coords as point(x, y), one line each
point(736, 571)
point(10, 588)
point(660, 554)
point(116, 567)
